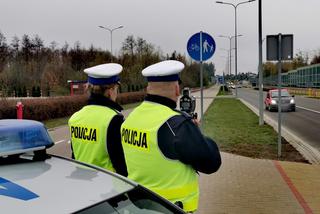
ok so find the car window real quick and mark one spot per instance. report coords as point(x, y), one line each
point(137, 201)
point(283, 94)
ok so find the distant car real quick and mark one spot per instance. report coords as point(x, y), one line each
point(232, 86)
point(31, 181)
point(287, 101)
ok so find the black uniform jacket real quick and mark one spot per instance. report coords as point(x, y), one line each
point(180, 139)
point(114, 145)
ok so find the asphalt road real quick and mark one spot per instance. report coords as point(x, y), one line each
point(304, 123)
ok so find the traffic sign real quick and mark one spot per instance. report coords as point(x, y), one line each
point(208, 46)
point(221, 79)
point(286, 47)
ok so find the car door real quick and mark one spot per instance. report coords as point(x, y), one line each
point(267, 100)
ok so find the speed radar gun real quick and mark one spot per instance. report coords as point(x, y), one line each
point(188, 103)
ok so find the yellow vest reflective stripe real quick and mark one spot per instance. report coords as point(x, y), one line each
point(147, 165)
point(177, 192)
point(88, 129)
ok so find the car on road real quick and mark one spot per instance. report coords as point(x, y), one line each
point(32, 181)
point(272, 99)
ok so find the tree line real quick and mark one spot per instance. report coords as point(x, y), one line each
point(301, 59)
point(27, 65)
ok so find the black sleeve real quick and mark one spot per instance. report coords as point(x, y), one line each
point(114, 145)
point(72, 154)
point(179, 138)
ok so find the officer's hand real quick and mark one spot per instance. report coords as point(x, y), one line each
point(196, 122)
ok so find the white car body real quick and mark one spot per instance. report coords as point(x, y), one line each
point(33, 182)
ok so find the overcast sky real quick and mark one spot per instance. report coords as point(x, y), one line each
point(167, 24)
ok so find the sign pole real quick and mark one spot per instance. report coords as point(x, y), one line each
point(223, 84)
point(279, 47)
point(201, 46)
point(279, 94)
point(201, 78)
point(260, 71)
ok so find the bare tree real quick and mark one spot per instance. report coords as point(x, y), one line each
point(4, 51)
point(316, 58)
point(141, 46)
point(129, 45)
point(26, 48)
point(15, 44)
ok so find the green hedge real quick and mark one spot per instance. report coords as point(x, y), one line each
point(49, 108)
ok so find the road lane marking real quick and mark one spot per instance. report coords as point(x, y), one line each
point(318, 112)
point(60, 141)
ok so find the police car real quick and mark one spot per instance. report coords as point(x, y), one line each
point(31, 181)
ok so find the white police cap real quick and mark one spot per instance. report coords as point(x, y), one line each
point(104, 74)
point(164, 71)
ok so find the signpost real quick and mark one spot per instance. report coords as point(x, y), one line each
point(279, 47)
point(201, 47)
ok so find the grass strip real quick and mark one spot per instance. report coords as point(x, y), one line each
point(236, 130)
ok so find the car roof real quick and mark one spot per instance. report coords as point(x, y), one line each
point(57, 185)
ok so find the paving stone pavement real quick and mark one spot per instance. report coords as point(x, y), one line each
point(247, 185)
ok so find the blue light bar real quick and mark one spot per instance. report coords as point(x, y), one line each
point(20, 136)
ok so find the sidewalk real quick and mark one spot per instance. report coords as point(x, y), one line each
point(246, 185)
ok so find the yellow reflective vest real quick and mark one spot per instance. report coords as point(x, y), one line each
point(146, 163)
point(88, 129)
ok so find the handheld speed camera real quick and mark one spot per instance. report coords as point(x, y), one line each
point(188, 103)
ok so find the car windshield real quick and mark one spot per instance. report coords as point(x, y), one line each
point(137, 200)
point(283, 94)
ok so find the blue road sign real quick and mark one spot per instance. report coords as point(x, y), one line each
point(208, 46)
point(221, 79)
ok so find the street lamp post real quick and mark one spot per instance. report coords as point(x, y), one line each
point(111, 30)
point(228, 60)
point(230, 38)
point(235, 32)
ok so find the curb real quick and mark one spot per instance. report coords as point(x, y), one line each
point(307, 151)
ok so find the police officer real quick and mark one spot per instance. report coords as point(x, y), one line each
point(164, 149)
point(95, 129)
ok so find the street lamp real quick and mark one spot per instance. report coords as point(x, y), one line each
point(230, 38)
point(111, 30)
point(228, 60)
point(235, 32)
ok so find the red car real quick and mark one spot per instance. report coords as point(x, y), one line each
point(287, 101)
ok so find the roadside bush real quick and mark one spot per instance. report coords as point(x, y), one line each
point(43, 109)
point(224, 87)
point(7, 109)
point(49, 108)
point(131, 97)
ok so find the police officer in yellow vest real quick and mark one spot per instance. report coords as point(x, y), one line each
point(95, 129)
point(164, 149)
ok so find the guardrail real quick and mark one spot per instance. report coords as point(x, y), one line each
point(309, 92)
